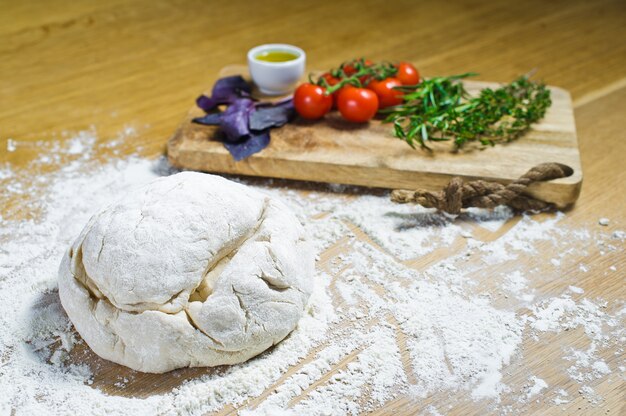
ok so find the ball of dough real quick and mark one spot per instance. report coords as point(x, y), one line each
point(191, 270)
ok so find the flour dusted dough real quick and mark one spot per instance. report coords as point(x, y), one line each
point(191, 270)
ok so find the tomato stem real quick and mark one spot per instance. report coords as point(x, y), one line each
point(357, 73)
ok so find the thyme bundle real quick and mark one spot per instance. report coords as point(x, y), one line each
point(440, 109)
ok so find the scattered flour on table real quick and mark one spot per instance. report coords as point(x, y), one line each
point(561, 397)
point(517, 285)
point(535, 387)
point(345, 356)
point(576, 289)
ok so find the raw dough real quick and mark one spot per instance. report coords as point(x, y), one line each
point(191, 270)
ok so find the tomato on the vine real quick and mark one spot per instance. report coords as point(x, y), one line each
point(330, 80)
point(350, 68)
point(387, 95)
point(311, 101)
point(365, 80)
point(357, 104)
point(408, 74)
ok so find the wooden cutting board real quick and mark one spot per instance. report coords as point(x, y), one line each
point(336, 151)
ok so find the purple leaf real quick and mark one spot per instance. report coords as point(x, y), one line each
point(235, 119)
point(250, 145)
point(233, 85)
point(211, 119)
point(244, 125)
point(207, 103)
point(225, 91)
point(271, 116)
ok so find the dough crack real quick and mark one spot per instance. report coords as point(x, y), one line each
point(141, 214)
point(243, 308)
point(193, 324)
point(82, 277)
point(273, 286)
point(222, 258)
point(101, 248)
point(204, 289)
point(275, 261)
point(101, 242)
point(262, 216)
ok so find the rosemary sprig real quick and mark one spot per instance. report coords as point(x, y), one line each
point(440, 109)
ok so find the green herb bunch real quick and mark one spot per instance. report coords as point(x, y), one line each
point(440, 109)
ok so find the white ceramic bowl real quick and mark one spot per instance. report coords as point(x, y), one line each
point(276, 78)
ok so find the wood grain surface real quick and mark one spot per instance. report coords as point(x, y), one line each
point(335, 151)
point(105, 66)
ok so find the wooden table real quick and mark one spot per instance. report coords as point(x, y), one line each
point(66, 66)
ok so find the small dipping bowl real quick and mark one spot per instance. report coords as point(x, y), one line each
point(276, 78)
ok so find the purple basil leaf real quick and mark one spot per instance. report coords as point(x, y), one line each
point(250, 145)
point(235, 119)
point(211, 119)
point(225, 91)
point(271, 116)
point(228, 86)
point(206, 103)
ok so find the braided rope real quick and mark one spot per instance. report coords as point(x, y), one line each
point(483, 194)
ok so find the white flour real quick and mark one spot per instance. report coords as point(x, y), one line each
point(370, 304)
point(536, 386)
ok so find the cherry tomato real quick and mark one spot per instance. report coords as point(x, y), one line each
point(387, 95)
point(357, 104)
point(350, 69)
point(365, 80)
point(330, 80)
point(311, 102)
point(408, 74)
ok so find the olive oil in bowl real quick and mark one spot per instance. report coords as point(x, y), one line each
point(276, 56)
point(276, 68)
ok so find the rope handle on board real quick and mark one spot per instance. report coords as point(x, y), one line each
point(483, 194)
